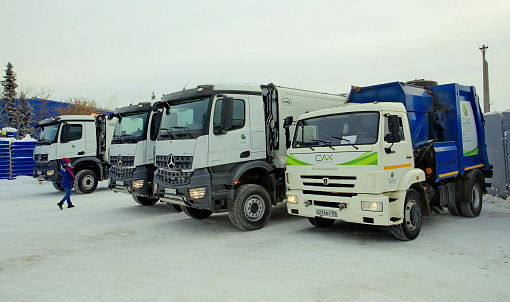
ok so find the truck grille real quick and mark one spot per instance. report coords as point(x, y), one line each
point(125, 161)
point(121, 173)
point(323, 193)
point(40, 165)
point(329, 185)
point(179, 162)
point(41, 157)
point(173, 178)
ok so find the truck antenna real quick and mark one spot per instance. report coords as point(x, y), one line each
point(186, 85)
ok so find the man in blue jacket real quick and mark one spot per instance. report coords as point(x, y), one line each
point(67, 182)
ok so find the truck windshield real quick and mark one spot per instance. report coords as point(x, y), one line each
point(359, 128)
point(48, 135)
point(185, 119)
point(130, 128)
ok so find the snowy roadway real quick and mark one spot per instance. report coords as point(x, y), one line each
point(108, 248)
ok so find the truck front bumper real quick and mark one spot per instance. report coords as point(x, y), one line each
point(192, 190)
point(131, 181)
point(374, 209)
point(47, 171)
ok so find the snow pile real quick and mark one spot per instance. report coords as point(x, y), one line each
point(497, 201)
point(108, 248)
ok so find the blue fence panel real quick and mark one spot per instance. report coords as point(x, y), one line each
point(4, 160)
point(22, 158)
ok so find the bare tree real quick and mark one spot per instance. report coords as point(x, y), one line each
point(79, 106)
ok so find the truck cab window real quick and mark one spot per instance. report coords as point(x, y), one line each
point(359, 128)
point(400, 128)
point(75, 131)
point(239, 115)
point(48, 135)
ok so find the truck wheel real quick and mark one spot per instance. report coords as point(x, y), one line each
point(454, 207)
point(321, 222)
point(473, 205)
point(145, 201)
point(413, 215)
point(85, 182)
point(196, 213)
point(250, 208)
point(174, 208)
point(57, 186)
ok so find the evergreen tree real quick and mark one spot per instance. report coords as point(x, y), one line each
point(24, 117)
point(8, 108)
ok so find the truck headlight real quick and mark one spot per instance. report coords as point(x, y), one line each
point(197, 193)
point(291, 199)
point(137, 184)
point(50, 172)
point(371, 206)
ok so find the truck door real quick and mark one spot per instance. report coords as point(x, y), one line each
point(71, 140)
point(233, 144)
point(397, 157)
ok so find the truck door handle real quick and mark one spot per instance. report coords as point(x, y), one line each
point(409, 157)
point(81, 152)
point(245, 154)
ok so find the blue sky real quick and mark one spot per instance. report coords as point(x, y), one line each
point(118, 52)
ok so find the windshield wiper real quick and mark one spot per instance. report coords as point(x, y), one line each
point(186, 129)
point(168, 130)
point(345, 140)
point(43, 141)
point(116, 138)
point(129, 136)
point(324, 142)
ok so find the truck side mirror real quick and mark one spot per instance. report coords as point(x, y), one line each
point(288, 121)
point(227, 114)
point(394, 128)
point(286, 125)
point(66, 133)
point(154, 128)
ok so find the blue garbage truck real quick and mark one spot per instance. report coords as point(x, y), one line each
point(392, 154)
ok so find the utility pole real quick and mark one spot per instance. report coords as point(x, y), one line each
point(486, 98)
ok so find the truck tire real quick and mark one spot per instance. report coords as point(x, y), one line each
point(250, 208)
point(472, 206)
point(196, 213)
point(410, 228)
point(85, 181)
point(145, 201)
point(57, 186)
point(454, 207)
point(174, 208)
point(321, 222)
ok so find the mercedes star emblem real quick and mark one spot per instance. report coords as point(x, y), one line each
point(170, 163)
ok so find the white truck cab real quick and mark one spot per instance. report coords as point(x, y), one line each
point(339, 168)
point(132, 152)
point(223, 147)
point(81, 138)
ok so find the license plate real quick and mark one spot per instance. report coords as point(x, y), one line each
point(329, 213)
point(119, 183)
point(171, 191)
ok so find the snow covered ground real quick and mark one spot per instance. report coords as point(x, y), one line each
point(108, 248)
